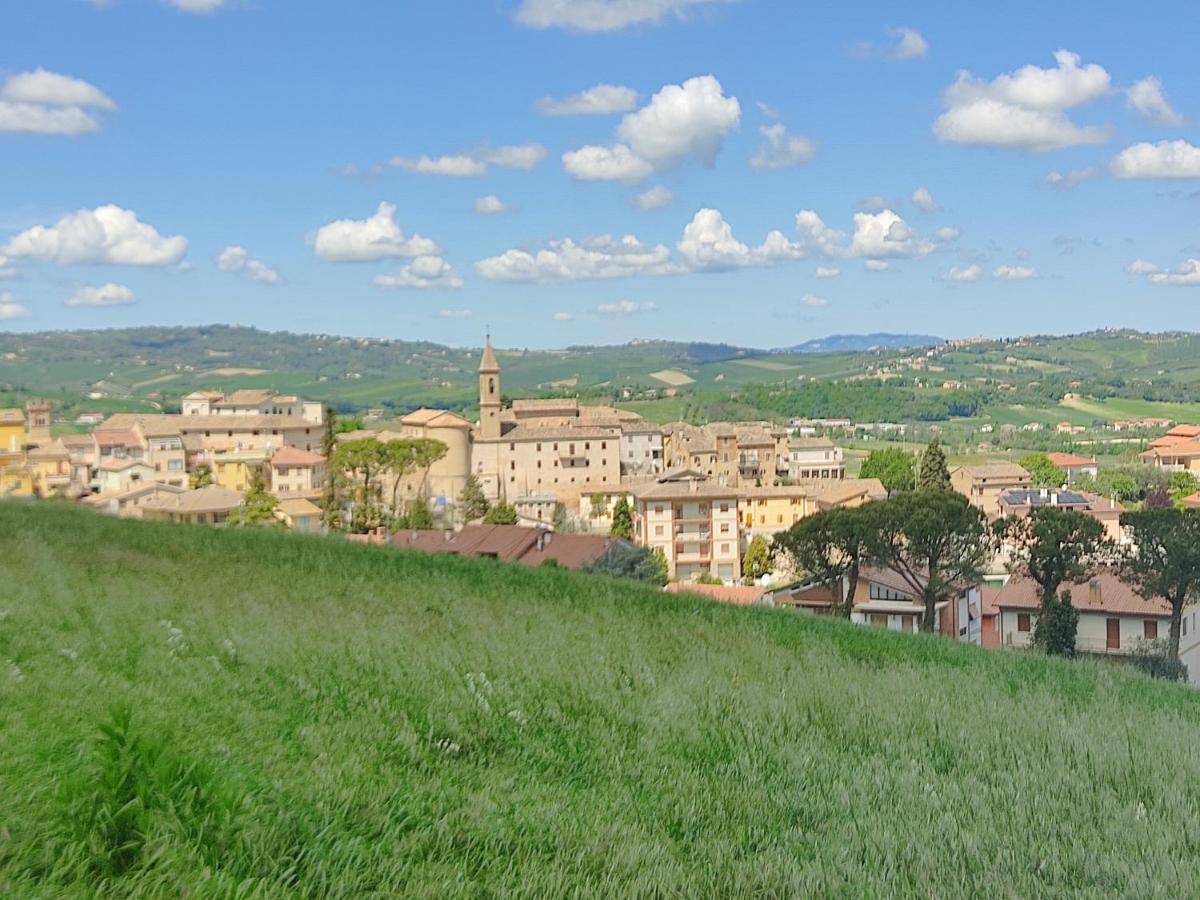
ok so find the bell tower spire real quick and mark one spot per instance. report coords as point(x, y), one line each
point(489, 392)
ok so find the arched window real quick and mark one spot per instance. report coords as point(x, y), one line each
point(491, 386)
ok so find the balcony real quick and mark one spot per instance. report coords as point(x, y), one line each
point(693, 553)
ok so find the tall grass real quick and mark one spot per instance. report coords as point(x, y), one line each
point(191, 712)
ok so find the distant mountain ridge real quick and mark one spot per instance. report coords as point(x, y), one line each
point(855, 343)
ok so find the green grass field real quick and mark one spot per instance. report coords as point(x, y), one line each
point(192, 712)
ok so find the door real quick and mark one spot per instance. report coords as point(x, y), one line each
point(1113, 634)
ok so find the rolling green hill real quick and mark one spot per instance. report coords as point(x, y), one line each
point(193, 712)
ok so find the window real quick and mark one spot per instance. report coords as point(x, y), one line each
point(724, 507)
point(1150, 630)
point(658, 509)
point(539, 448)
point(604, 445)
point(882, 592)
point(1022, 621)
point(724, 528)
point(724, 549)
point(658, 531)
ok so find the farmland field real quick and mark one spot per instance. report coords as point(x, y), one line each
point(228, 713)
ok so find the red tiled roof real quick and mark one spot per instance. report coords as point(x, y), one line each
point(1069, 460)
point(1111, 595)
point(572, 551)
point(294, 456)
point(737, 595)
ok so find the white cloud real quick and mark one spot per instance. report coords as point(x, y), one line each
point(455, 313)
point(905, 44)
point(604, 15)
point(475, 163)
point(105, 295)
point(1166, 159)
point(1024, 109)
point(107, 234)
point(423, 273)
point(876, 265)
point(600, 257)
point(813, 300)
point(600, 100)
point(626, 307)
point(562, 317)
point(1142, 267)
point(886, 234)
point(615, 163)
point(379, 237)
point(1067, 180)
point(828, 272)
point(972, 272)
point(42, 102)
point(782, 150)
point(1185, 274)
point(655, 198)
point(197, 6)
point(1147, 99)
point(238, 260)
point(490, 205)
point(11, 309)
point(692, 118)
point(923, 200)
point(708, 243)
point(6, 269)
point(817, 237)
point(947, 233)
point(1014, 273)
point(766, 109)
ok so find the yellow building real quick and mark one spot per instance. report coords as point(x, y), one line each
point(51, 464)
point(299, 515)
point(12, 432)
point(770, 510)
point(235, 470)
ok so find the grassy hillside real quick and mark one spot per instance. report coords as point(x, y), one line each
point(211, 713)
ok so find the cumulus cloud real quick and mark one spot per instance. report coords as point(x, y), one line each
point(490, 205)
point(11, 309)
point(455, 313)
point(1014, 273)
point(1064, 181)
point(1186, 274)
point(615, 163)
point(655, 198)
point(973, 272)
point(562, 317)
point(1142, 267)
point(876, 265)
point(474, 163)
point(1166, 159)
point(813, 300)
point(238, 260)
point(817, 237)
point(885, 234)
point(605, 15)
point(708, 243)
point(626, 308)
point(105, 295)
point(1146, 98)
point(603, 99)
point(600, 257)
point(423, 273)
point(828, 272)
point(904, 44)
point(1025, 109)
point(379, 237)
point(42, 102)
point(107, 234)
point(923, 200)
point(197, 6)
point(692, 118)
point(781, 150)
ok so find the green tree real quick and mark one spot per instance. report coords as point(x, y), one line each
point(1166, 563)
point(1045, 473)
point(1054, 547)
point(758, 559)
point(360, 463)
point(831, 547)
point(891, 465)
point(416, 515)
point(599, 506)
point(332, 501)
point(935, 541)
point(258, 507)
point(625, 560)
point(501, 514)
point(934, 474)
point(472, 501)
point(202, 476)
point(622, 520)
point(1183, 484)
point(403, 457)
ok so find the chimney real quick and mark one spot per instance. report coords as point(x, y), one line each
point(1094, 592)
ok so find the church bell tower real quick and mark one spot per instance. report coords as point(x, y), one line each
point(489, 392)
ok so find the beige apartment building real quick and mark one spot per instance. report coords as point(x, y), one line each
point(732, 453)
point(693, 521)
point(984, 484)
point(292, 472)
point(815, 458)
point(252, 403)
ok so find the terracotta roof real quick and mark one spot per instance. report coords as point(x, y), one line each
point(552, 403)
point(572, 551)
point(434, 418)
point(212, 498)
point(507, 542)
point(737, 595)
point(12, 416)
point(839, 492)
point(1110, 595)
point(691, 489)
point(994, 470)
point(145, 487)
point(55, 450)
point(120, 465)
point(298, 508)
point(1069, 460)
point(186, 424)
point(1182, 447)
point(776, 490)
point(294, 456)
point(530, 433)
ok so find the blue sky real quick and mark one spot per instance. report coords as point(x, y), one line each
point(318, 166)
